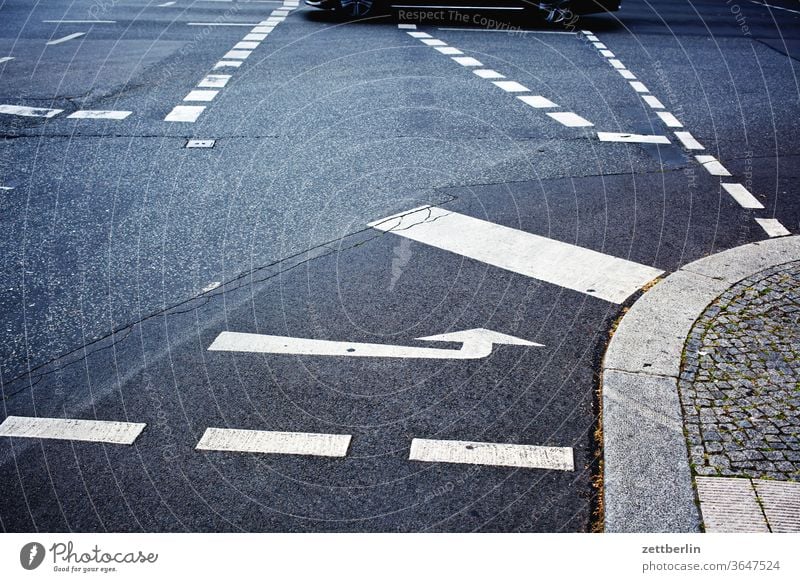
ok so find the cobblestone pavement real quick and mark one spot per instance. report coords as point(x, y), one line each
point(740, 380)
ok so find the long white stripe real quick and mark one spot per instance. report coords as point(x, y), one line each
point(407, 26)
point(98, 431)
point(65, 38)
point(488, 74)
point(80, 22)
point(221, 24)
point(570, 119)
point(165, 4)
point(415, 34)
point(537, 101)
point(285, 443)
point(468, 62)
point(559, 263)
point(214, 81)
point(713, 166)
point(742, 195)
point(511, 86)
point(632, 137)
point(97, 114)
point(185, 113)
point(495, 454)
point(773, 227)
point(688, 140)
point(256, 37)
point(28, 111)
point(669, 119)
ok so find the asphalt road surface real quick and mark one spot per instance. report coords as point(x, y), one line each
point(369, 184)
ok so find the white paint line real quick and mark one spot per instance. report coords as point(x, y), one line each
point(773, 227)
point(186, 113)
point(639, 87)
point(6, 187)
point(407, 26)
point(669, 119)
point(653, 101)
point(775, 7)
point(72, 36)
point(608, 54)
point(688, 141)
point(488, 74)
point(495, 454)
point(29, 111)
point(282, 443)
point(221, 24)
point(256, 37)
point(419, 34)
point(559, 263)
point(263, 29)
point(6, 59)
point(713, 166)
point(245, 45)
point(517, 31)
point(165, 4)
point(599, 45)
point(448, 50)
point(536, 101)
point(468, 62)
point(272, 21)
point(475, 344)
point(222, 64)
point(632, 138)
point(214, 81)
point(201, 96)
point(88, 114)
point(97, 431)
point(214, 284)
point(237, 55)
point(202, 144)
point(626, 74)
point(570, 119)
point(742, 195)
point(511, 86)
point(80, 22)
point(616, 63)
point(592, 38)
point(280, 13)
point(433, 42)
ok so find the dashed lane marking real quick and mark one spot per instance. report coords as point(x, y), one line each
point(494, 454)
point(570, 119)
point(221, 24)
point(433, 42)
point(97, 114)
point(607, 54)
point(72, 36)
point(570, 266)
point(165, 4)
point(201, 95)
point(98, 431)
point(688, 140)
point(632, 138)
point(712, 165)
point(79, 22)
point(743, 196)
point(245, 45)
point(6, 59)
point(214, 81)
point(773, 227)
point(669, 119)
point(488, 74)
point(616, 63)
point(222, 64)
point(282, 443)
point(185, 113)
point(256, 37)
point(448, 50)
point(653, 101)
point(639, 87)
point(237, 55)
point(626, 74)
point(29, 111)
point(511, 86)
point(263, 29)
point(468, 62)
point(537, 101)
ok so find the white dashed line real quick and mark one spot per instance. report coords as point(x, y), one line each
point(773, 227)
point(653, 102)
point(570, 119)
point(96, 114)
point(407, 26)
point(79, 22)
point(6, 59)
point(608, 54)
point(742, 195)
point(626, 74)
point(537, 101)
point(495, 454)
point(448, 50)
point(433, 42)
point(165, 4)
point(222, 64)
point(65, 38)
point(419, 34)
point(632, 138)
point(616, 63)
point(468, 62)
point(263, 29)
point(185, 113)
point(639, 87)
point(201, 96)
point(7, 188)
point(283, 443)
point(29, 111)
point(256, 37)
point(570, 266)
point(245, 45)
point(518, 31)
point(688, 140)
point(237, 55)
point(599, 45)
point(98, 431)
point(214, 81)
point(669, 119)
point(511, 86)
point(712, 165)
point(592, 38)
point(488, 74)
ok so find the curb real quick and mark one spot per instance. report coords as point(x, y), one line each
point(647, 481)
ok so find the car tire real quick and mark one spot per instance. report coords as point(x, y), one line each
point(359, 8)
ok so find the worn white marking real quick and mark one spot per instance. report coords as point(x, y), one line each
point(6, 187)
point(415, 34)
point(616, 63)
point(488, 74)
point(608, 54)
point(713, 166)
point(6, 59)
point(669, 119)
point(214, 81)
point(407, 26)
point(272, 20)
point(201, 96)
point(165, 4)
point(632, 138)
point(213, 285)
point(237, 55)
point(29, 111)
point(185, 113)
point(282, 443)
point(476, 344)
point(653, 101)
point(599, 45)
point(742, 195)
point(559, 263)
point(495, 454)
point(536, 101)
point(639, 87)
point(280, 13)
point(511, 86)
point(202, 144)
point(89, 114)
point(570, 119)
point(223, 64)
point(688, 140)
point(433, 42)
point(626, 74)
point(98, 431)
point(256, 37)
point(468, 62)
point(72, 36)
point(245, 45)
point(592, 38)
point(448, 50)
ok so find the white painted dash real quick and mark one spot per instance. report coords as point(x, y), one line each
point(599, 45)
point(570, 119)
point(494, 454)
point(415, 34)
point(448, 50)
point(223, 64)
point(742, 195)
point(185, 113)
point(237, 55)
point(511, 86)
point(433, 42)
point(537, 101)
point(72, 36)
point(669, 119)
point(263, 29)
point(214, 81)
point(6, 59)
point(653, 101)
point(773, 227)
point(98, 431)
point(632, 138)
point(608, 54)
point(488, 74)
point(245, 45)
point(283, 443)
point(407, 26)
point(616, 63)
point(29, 111)
point(688, 141)
point(97, 114)
point(165, 4)
point(626, 74)
point(468, 62)
point(713, 166)
point(639, 87)
point(256, 37)
point(201, 96)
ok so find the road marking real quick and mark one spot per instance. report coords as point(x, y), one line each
point(488, 74)
point(773, 227)
point(742, 195)
point(448, 50)
point(599, 45)
point(556, 262)
point(511, 86)
point(96, 114)
point(592, 38)
point(632, 138)
point(222, 64)
point(165, 4)
point(221, 24)
point(272, 21)
point(669, 119)
point(712, 165)
point(509, 31)
point(639, 87)
point(775, 7)
point(607, 53)
point(256, 37)
point(72, 36)
point(536, 101)
point(6, 59)
point(185, 113)
point(616, 63)
point(245, 46)
point(214, 284)
point(468, 62)
point(433, 42)
point(97, 431)
point(476, 344)
point(495, 454)
point(237, 55)
point(407, 26)
point(626, 74)
point(415, 34)
point(214, 81)
point(263, 29)
point(688, 140)
point(201, 96)
point(29, 111)
point(280, 12)
point(282, 443)
point(653, 102)
point(80, 22)
point(570, 119)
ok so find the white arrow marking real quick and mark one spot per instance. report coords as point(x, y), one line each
point(476, 344)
